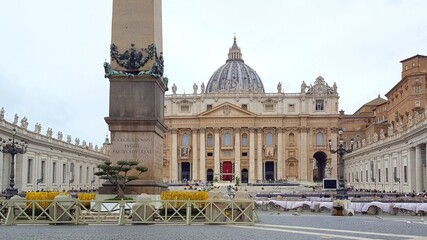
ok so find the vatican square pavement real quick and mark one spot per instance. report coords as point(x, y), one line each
point(271, 225)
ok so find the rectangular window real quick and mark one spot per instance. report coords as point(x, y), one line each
point(417, 89)
point(43, 171)
point(379, 175)
point(245, 106)
point(319, 105)
point(405, 174)
point(209, 107)
point(268, 107)
point(244, 154)
point(30, 171)
point(291, 107)
point(210, 154)
point(184, 108)
point(54, 172)
point(64, 173)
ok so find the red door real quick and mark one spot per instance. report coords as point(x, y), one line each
point(227, 170)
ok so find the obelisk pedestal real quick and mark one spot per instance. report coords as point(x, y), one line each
point(137, 87)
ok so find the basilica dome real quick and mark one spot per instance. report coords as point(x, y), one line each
point(235, 75)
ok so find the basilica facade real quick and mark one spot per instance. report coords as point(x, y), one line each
point(230, 129)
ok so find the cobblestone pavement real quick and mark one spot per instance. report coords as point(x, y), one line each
point(271, 225)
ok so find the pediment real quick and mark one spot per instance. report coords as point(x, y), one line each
point(227, 110)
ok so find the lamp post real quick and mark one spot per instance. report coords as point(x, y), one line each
point(11, 147)
point(341, 151)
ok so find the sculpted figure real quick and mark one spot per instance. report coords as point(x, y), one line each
point(174, 88)
point(38, 128)
point(202, 87)
point(390, 131)
point(2, 114)
point(77, 141)
point(375, 137)
point(49, 132)
point(335, 87)
point(410, 123)
point(195, 88)
point(60, 136)
point(303, 87)
point(15, 120)
point(382, 134)
point(24, 123)
point(279, 87)
point(84, 143)
point(90, 146)
point(68, 138)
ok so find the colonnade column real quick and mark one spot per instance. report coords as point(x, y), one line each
point(194, 149)
point(216, 155)
point(174, 160)
point(202, 173)
point(418, 170)
point(259, 155)
point(251, 155)
point(237, 153)
point(280, 153)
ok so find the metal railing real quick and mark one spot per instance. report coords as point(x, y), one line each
point(75, 211)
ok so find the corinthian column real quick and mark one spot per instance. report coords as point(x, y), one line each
point(202, 173)
point(418, 170)
point(194, 149)
point(259, 155)
point(279, 153)
point(174, 160)
point(237, 152)
point(216, 154)
point(251, 155)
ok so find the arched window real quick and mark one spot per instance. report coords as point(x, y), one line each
point(210, 140)
point(244, 140)
point(319, 139)
point(227, 139)
point(185, 139)
point(269, 138)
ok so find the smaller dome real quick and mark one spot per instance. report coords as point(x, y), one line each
point(235, 75)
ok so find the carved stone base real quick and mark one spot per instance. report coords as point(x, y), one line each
point(136, 187)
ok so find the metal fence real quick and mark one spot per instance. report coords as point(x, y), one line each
point(75, 211)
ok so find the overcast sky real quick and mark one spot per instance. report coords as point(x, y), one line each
point(52, 51)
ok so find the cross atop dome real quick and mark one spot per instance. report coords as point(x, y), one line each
point(234, 53)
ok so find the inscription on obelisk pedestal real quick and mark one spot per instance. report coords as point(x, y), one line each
point(143, 147)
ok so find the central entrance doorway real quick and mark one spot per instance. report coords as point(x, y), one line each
point(227, 171)
point(185, 171)
point(269, 171)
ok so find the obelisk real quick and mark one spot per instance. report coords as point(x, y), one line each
point(137, 87)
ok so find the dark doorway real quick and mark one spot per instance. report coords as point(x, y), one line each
point(227, 171)
point(185, 171)
point(321, 166)
point(209, 175)
point(269, 171)
point(244, 175)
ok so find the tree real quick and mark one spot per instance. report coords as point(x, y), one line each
point(118, 175)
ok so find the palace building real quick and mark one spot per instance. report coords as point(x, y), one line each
point(391, 135)
point(231, 129)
